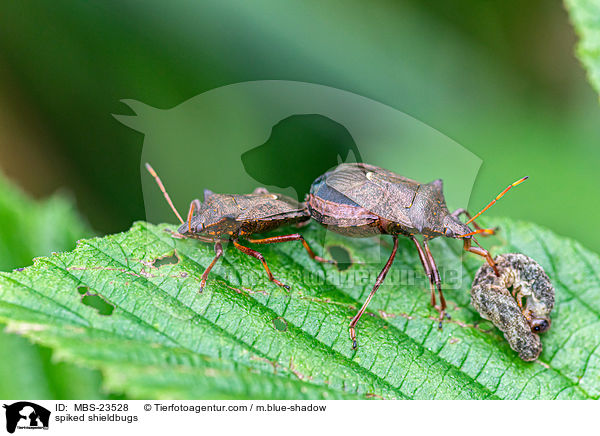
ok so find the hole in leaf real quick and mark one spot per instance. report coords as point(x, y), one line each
point(341, 256)
point(168, 259)
point(92, 299)
point(280, 324)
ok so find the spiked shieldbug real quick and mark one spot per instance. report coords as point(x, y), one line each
point(237, 216)
point(362, 200)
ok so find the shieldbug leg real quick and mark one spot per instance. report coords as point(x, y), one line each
point(437, 280)
point(458, 212)
point(434, 278)
point(481, 252)
point(218, 253)
point(426, 267)
point(378, 282)
point(286, 238)
point(194, 205)
point(257, 255)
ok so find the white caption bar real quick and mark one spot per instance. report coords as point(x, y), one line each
point(307, 418)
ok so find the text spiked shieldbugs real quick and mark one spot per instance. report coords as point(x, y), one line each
point(232, 217)
point(362, 200)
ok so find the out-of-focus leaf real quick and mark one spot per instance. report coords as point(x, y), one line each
point(27, 229)
point(585, 15)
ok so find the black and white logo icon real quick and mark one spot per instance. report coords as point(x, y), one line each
point(26, 415)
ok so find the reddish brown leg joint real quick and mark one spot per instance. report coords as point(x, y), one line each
point(434, 278)
point(481, 252)
point(218, 253)
point(286, 238)
point(378, 282)
point(257, 255)
point(426, 267)
point(438, 283)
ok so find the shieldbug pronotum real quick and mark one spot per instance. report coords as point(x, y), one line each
point(518, 302)
point(362, 200)
point(232, 216)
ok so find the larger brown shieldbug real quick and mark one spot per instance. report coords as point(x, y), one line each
point(232, 216)
point(362, 200)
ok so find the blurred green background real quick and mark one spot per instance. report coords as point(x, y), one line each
point(499, 78)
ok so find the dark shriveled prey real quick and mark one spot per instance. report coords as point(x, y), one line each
point(518, 302)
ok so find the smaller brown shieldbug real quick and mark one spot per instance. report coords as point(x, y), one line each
point(362, 200)
point(232, 217)
point(518, 302)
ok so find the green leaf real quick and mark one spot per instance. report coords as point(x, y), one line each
point(585, 15)
point(30, 228)
point(244, 337)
